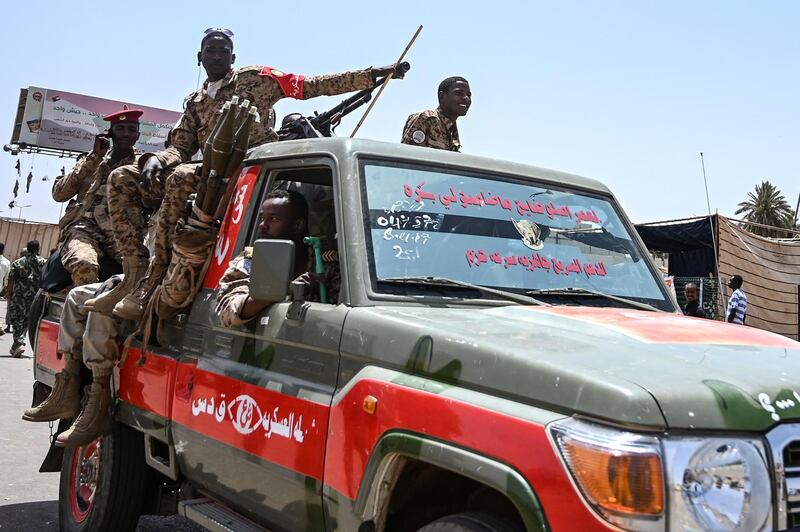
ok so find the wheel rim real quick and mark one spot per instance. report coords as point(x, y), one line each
point(83, 479)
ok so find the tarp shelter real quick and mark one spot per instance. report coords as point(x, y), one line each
point(16, 234)
point(770, 267)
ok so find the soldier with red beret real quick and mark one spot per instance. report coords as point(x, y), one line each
point(86, 234)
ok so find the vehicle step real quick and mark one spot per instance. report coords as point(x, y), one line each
point(216, 517)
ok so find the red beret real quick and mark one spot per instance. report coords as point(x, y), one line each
point(126, 115)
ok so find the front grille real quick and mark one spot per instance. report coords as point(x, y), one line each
point(784, 441)
point(791, 454)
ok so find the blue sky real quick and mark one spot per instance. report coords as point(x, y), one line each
point(625, 92)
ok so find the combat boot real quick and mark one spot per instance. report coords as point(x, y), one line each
point(132, 306)
point(64, 399)
point(94, 420)
point(134, 268)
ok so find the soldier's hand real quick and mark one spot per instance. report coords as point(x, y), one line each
point(101, 144)
point(398, 71)
point(152, 171)
point(309, 279)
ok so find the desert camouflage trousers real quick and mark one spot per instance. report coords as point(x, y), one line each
point(128, 198)
point(90, 335)
point(81, 253)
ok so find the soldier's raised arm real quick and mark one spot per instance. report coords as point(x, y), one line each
point(272, 84)
point(80, 178)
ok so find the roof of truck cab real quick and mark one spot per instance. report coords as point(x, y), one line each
point(342, 148)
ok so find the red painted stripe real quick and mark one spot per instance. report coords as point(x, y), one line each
point(47, 354)
point(229, 231)
point(150, 385)
point(253, 419)
point(521, 444)
point(658, 327)
point(176, 391)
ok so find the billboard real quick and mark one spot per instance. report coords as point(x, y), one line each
point(59, 120)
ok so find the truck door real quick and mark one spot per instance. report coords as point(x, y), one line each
point(251, 418)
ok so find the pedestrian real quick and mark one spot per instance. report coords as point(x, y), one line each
point(9, 301)
point(23, 282)
point(162, 179)
point(437, 128)
point(86, 234)
point(5, 266)
point(693, 307)
point(737, 304)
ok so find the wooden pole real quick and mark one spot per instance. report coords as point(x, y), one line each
point(385, 82)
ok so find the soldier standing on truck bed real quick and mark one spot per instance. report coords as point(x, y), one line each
point(86, 233)
point(23, 282)
point(437, 128)
point(130, 185)
point(284, 216)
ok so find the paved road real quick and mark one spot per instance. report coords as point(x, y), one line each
point(29, 499)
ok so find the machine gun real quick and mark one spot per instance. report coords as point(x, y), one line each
point(323, 125)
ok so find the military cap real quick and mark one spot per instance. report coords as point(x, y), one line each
point(126, 115)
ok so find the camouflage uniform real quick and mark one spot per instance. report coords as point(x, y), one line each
point(88, 335)
point(264, 87)
point(433, 130)
point(24, 274)
point(86, 234)
point(234, 288)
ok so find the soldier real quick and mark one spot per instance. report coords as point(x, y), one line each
point(86, 233)
point(130, 185)
point(90, 336)
point(284, 216)
point(23, 282)
point(437, 128)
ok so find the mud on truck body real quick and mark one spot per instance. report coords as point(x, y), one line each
point(503, 356)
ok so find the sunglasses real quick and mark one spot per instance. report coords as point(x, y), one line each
point(224, 31)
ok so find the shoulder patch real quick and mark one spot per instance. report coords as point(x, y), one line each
point(290, 84)
point(418, 136)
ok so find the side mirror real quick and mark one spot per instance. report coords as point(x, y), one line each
point(271, 269)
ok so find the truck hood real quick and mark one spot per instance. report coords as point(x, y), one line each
point(651, 369)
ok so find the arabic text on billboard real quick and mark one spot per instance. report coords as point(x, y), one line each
point(69, 121)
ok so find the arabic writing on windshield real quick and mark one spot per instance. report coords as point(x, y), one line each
point(499, 233)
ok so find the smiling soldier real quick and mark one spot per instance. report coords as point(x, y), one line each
point(437, 128)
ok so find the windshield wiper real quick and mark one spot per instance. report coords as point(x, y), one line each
point(579, 292)
point(444, 281)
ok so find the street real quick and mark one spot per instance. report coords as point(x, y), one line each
point(29, 499)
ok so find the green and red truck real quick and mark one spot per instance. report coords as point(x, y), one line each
point(503, 356)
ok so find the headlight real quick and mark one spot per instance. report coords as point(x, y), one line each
point(619, 473)
point(644, 482)
point(718, 484)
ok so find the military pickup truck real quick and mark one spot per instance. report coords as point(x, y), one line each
point(503, 356)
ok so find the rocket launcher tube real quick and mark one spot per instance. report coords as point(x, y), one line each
point(224, 144)
point(242, 143)
point(241, 115)
point(208, 152)
point(209, 143)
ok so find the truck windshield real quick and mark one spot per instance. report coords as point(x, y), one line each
point(499, 232)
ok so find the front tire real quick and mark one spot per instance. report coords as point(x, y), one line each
point(470, 522)
point(102, 484)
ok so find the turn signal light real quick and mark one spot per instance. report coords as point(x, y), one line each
point(617, 480)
